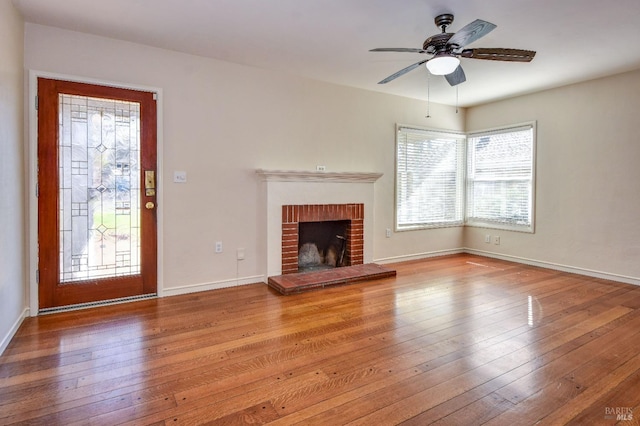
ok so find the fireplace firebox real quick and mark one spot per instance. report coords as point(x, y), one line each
point(320, 236)
point(322, 245)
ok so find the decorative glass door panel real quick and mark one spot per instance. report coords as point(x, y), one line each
point(96, 224)
point(99, 148)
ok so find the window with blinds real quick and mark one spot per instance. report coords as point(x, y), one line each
point(429, 179)
point(500, 178)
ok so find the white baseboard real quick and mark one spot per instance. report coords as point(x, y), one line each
point(194, 288)
point(418, 256)
point(13, 330)
point(558, 267)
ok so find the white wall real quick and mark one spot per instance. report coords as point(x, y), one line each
point(588, 175)
point(12, 211)
point(221, 122)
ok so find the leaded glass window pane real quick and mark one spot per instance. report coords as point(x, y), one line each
point(99, 169)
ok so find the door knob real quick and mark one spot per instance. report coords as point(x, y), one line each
point(149, 205)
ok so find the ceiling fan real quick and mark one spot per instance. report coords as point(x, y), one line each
point(446, 48)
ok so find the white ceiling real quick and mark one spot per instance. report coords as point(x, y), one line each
point(328, 40)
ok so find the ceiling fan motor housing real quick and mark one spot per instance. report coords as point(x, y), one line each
point(436, 43)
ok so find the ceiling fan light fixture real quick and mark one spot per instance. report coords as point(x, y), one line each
point(442, 64)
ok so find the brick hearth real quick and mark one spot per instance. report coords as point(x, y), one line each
point(292, 215)
point(298, 283)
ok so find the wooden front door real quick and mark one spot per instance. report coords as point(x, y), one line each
point(97, 236)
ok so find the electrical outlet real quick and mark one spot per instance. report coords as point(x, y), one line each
point(496, 240)
point(487, 239)
point(320, 168)
point(240, 254)
point(179, 177)
point(388, 233)
point(218, 246)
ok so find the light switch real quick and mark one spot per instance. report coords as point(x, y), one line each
point(180, 177)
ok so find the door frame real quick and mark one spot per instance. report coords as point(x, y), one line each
point(31, 151)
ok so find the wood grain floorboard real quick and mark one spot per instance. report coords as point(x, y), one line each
point(452, 340)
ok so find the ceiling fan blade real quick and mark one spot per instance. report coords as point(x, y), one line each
point(401, 72)
point(397, 49)
point(456, 77)
point(510, 55)
point(471, 32)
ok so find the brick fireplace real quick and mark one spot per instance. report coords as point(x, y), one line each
point(350, 193)
point(293, 215)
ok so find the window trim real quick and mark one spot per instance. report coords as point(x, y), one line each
point(437, 133)
point(465, 181)
point(530, 229)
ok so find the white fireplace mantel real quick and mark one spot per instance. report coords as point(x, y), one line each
point(306, 176)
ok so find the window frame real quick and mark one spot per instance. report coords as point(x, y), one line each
point(465, 179)
point(471, 222)
point(460, 180)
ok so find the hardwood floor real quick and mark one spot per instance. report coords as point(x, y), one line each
point(453, 340)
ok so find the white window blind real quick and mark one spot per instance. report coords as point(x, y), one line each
point(500, 178)
point(429, 179)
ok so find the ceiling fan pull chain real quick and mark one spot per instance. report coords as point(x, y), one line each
point(428, 96)
point(456, 99)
